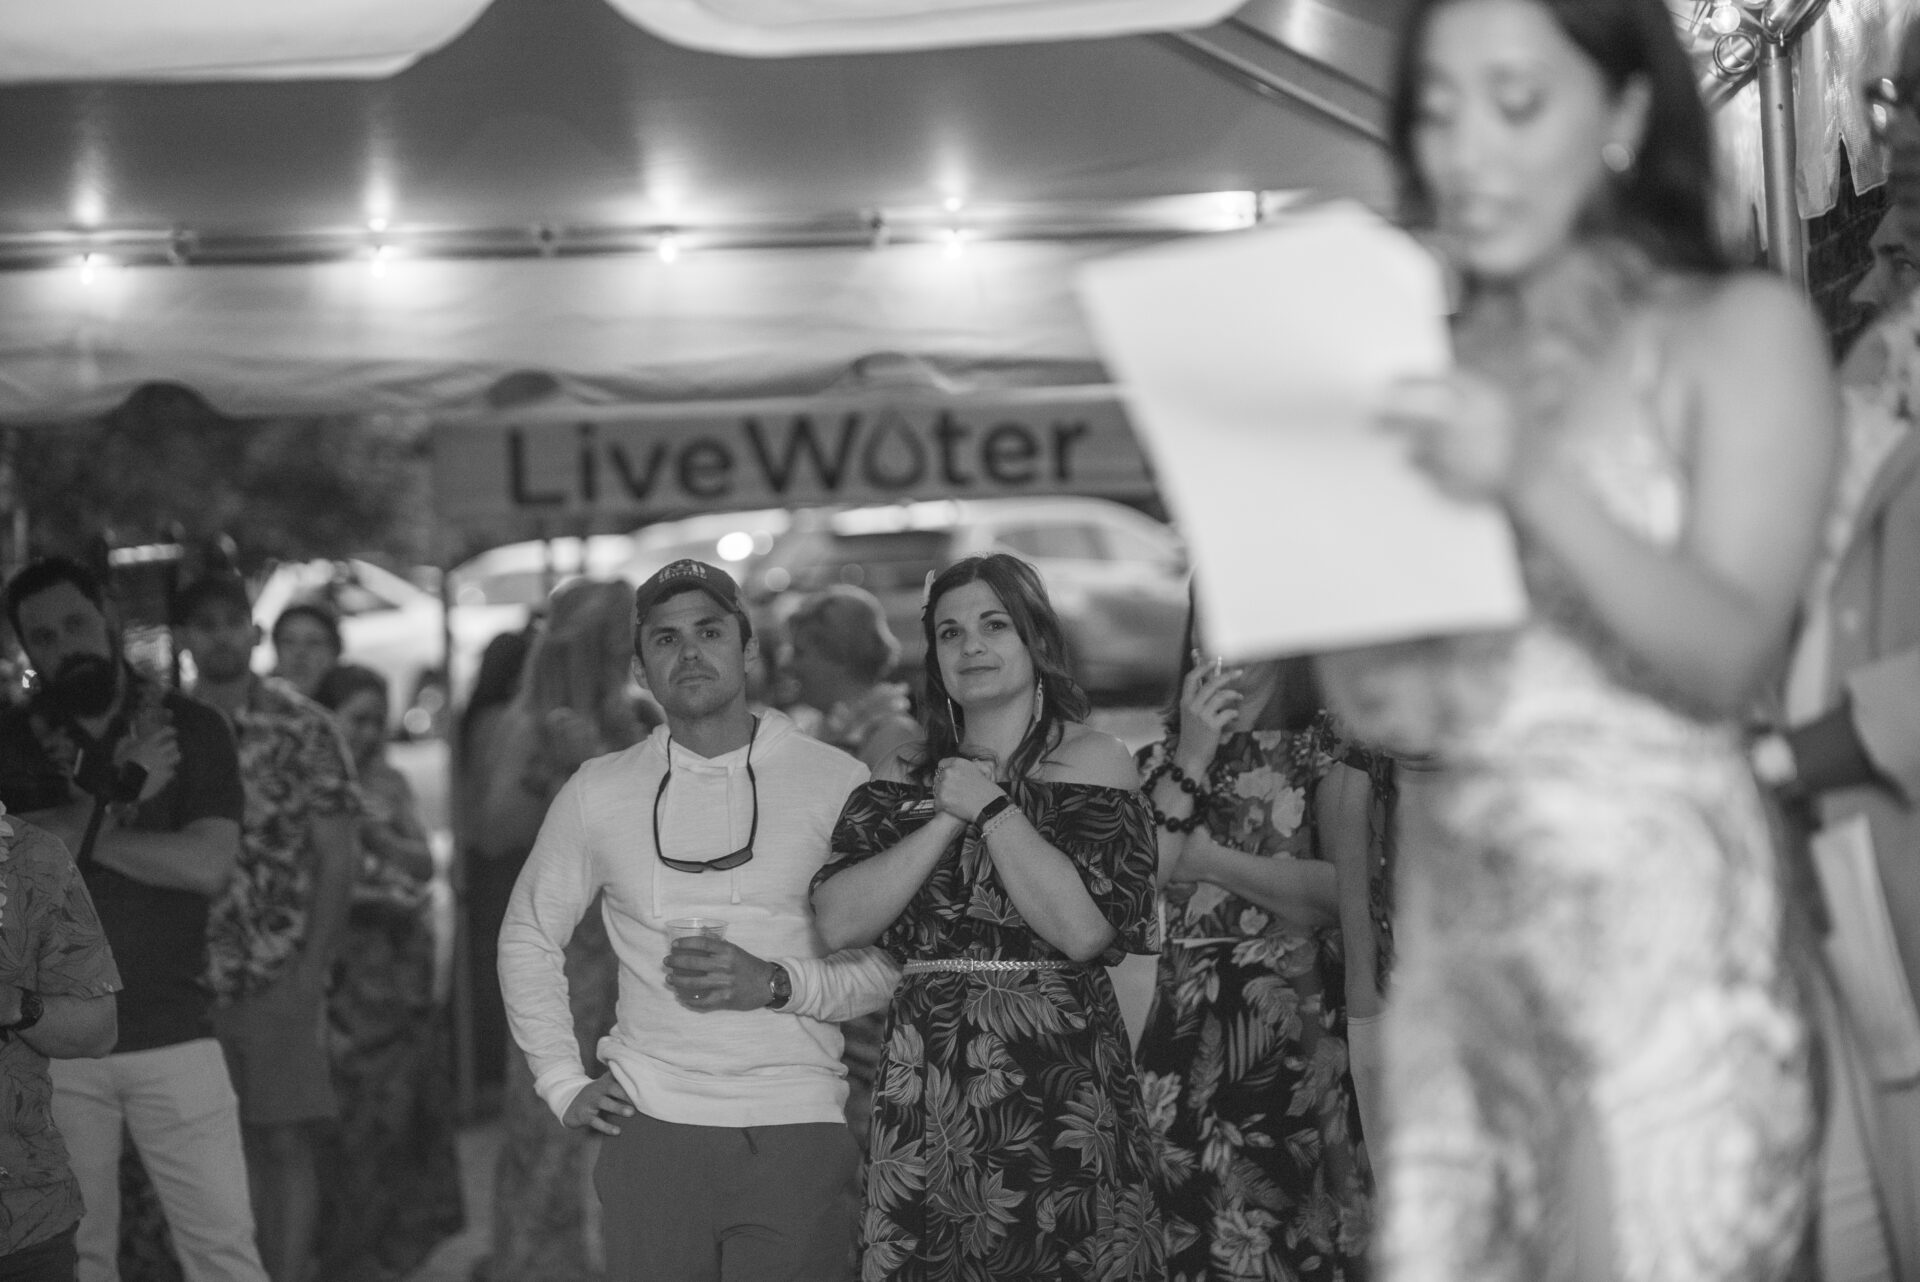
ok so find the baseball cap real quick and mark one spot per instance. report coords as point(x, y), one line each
point(686, 573)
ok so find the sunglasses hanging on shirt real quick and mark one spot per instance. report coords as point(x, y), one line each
point(724, 862)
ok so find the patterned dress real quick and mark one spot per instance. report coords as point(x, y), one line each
point(390, 1174)
point(1244, 1057)
point(1008, 1136)
point(1595, 1014)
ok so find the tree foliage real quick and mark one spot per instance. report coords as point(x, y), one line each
point(165, 464)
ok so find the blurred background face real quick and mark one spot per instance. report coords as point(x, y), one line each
point(1895, 271)
point(302, 652)
point(363, 720)
point(71, 646)
point(1509, 120)
point(982, 657)
point(810, 670)
point(220, 636)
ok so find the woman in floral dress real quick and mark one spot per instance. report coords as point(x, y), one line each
point(1003, 862)
point(1244, 1056)
point(391, 1177)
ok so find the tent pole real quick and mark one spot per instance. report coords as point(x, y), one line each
point(460, 989)
point(1786, 234)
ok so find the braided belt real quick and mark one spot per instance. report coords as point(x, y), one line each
point(980, 963)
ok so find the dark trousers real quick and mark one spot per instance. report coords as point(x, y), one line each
point(489, 887)
point(728, 1204)
point(54, 1260)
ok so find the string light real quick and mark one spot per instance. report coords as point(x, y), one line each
point(377, 240)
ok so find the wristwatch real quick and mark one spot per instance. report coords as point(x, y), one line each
point(781, 985)
point(31, 1008)
point(1773, 762)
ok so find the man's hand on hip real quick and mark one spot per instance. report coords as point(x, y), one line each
point(599, 1106)
point(712, 974)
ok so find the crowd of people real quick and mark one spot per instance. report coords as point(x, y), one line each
point(1584, 949)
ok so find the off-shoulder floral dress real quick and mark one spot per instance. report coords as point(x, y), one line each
point(1244, 1057)
point(1008, 1138)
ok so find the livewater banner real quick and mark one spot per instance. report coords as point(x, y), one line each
point(627, 465)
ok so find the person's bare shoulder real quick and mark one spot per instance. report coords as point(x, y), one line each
point(896, 765)
point(1086, 755)
point(1742, 325)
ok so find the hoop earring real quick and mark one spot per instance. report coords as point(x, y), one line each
point(1618, 157)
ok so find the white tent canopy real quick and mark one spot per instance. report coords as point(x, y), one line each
point(436, 335)
point(505, 202)
point(306, 39)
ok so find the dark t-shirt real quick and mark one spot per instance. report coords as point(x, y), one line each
point(158, 935)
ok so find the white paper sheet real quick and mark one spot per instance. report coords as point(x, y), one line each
point(1254, 364)
point(1864, 960)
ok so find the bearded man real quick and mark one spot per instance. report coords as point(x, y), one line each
point(143, 784)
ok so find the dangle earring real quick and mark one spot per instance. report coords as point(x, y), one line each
point(953, 715)
point(1039, 697)
point(1618, 157)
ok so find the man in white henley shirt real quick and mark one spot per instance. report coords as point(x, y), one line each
point(727, 1155)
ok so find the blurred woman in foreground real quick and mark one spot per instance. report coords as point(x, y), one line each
point(1598, 1051)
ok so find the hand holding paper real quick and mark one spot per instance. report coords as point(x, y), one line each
point(1257, 367)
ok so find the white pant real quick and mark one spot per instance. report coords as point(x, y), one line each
point(179, 1104)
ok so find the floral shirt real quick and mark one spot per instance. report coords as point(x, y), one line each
point(1259, 781)
point(295, 766)
point(387, 807)
point(50, 942)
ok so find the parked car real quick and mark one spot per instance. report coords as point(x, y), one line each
point(1117, 577)
point(526, 573)
point(392, 625)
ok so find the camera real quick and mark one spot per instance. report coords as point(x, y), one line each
point(106, 783)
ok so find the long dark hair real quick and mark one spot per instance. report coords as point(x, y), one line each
point(1665, 204)
point(1024, 597)
point(345, 680)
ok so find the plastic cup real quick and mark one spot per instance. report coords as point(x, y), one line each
point(695, 928)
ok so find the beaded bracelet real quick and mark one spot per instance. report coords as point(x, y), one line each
point(1160, 817)
point(1174, 825)
point(1188, 784)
